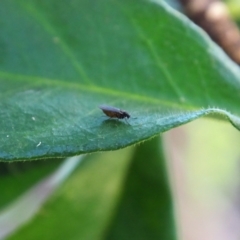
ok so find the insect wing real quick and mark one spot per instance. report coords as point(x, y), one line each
point(111, 112)
point(109, 109)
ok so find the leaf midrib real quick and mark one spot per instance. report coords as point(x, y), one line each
point(96, 89)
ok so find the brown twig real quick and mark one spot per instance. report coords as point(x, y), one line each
point(213, 17)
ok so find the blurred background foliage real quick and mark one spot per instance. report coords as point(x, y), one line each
point(234, 9)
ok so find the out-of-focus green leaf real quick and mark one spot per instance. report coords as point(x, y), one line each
point(61, 59)
point(124, 199)
point(21, 176)
point(83, 206)
point(145, 209)
point(234, 8)
point(23, 208)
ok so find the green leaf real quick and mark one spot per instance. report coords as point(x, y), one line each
point(23, 208)
point(87, 203)
point(61, 60)
point(145, 209)
point(25, 174)
point(126, 197)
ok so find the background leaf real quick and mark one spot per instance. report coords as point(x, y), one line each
point(88, 203)
point(25, 174)
point(124, 199)
point(145, 209)
point(60, 60)
point(23, 208)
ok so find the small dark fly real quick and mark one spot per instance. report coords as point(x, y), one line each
point(113, 112)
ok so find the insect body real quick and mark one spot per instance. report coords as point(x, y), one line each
point(113, 112)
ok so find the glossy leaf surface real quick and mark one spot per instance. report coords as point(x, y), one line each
point(60, 60)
